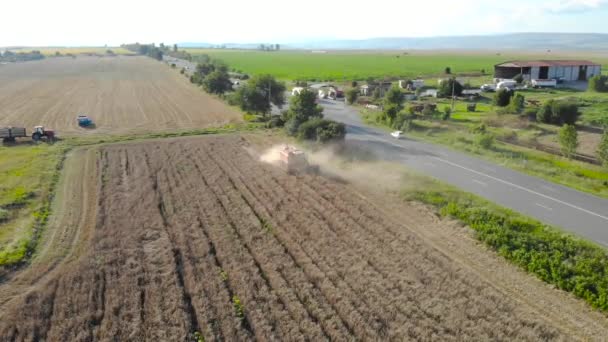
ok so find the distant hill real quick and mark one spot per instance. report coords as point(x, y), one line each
point(519, 41)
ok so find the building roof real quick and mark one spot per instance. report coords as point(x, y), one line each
point(544, 63)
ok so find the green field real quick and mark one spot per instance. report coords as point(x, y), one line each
point(27, 173)
point(352, 65)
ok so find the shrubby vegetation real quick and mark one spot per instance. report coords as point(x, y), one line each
point(149, 50)
point(602, 149)
point(304, 119)
point(445, 88)
point(568, 140)
point(569, 263)
point(558, 112)
point(599, 83)
point(502, 97)
point(258, 94)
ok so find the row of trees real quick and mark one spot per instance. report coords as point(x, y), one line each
point(9, 56)
point(269, 47)
point(149, 50)
point(303, 119)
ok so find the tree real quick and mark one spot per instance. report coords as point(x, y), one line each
point(302, 107)
point(174, 47)
point(449, 86)
point(277, 47)
point(321, 130)
point(564, 112)
point(602, 149)
point(568, 139)
point(502, 97)
point(393, 104)
point(352, 95)
point(217, 82)
point(599, 83)
point(517, 104)
point(448, 70)
point(259, 93)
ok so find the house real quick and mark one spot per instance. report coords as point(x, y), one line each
point(411, 85)
point(565, 70)
point(368, 89)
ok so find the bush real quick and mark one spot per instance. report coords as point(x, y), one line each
point(173, 65)
point(445, 88)
point(321, 130)
point(568, 140)
point(602, 149)
point(485, 140)
point(447, 70)
point(570, 263)
point(479, 129)
point(517, 103)
point(599, 83)
point(502, 97)
point(352, 95)
point(4, 214)
point(275, 121)
point(428, 110)
point(545, 112)
point(564, 113)
point(182, 71)
point(447, 111)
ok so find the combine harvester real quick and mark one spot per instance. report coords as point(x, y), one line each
point(84, 121)
point(294, 161)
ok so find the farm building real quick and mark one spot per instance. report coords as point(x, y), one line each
point(574, 70)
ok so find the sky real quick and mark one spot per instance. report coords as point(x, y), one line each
point(112, 22)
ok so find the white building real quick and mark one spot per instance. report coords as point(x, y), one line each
point(566, 70)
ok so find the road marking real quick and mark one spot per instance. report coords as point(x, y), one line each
point(480, 182)
point(504, 182)
point(544, 206)
point(523, 188)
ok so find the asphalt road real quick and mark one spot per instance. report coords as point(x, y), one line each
point(583, 214)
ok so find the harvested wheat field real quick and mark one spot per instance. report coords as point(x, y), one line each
point(196, 235)
point(120, 94)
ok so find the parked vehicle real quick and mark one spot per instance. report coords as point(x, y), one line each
point(84, 121)
point(506, 85)
point(8, 134)
point(488, 87)
point(544, 83)
point(397, 134)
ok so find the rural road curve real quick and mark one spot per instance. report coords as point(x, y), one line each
point(583, 214)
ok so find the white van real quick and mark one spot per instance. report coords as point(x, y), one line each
point(506, 85)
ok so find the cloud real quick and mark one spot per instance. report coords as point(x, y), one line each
point(575, 6)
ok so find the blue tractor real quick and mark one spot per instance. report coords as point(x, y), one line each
point(84, 121)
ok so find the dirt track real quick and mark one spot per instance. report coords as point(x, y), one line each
point(121, 94)
point(184, 226)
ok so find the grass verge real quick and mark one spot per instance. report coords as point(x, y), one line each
point(574, 174)
point(29, 175)
point(560, 259)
